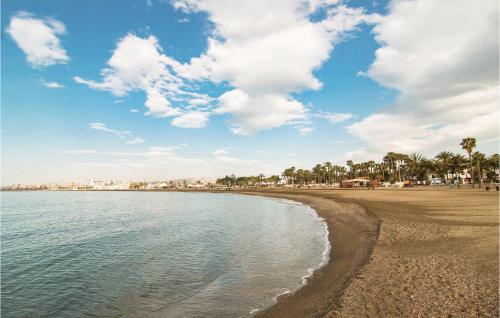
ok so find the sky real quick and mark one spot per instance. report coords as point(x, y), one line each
point(159, 90)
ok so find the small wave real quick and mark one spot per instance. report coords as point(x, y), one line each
point(325, 255)
point(286, 291)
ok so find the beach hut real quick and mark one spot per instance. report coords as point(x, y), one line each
point(355, 183)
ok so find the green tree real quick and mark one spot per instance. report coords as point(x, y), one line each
point(443, 160)
point(328, 172)
point(479, 159)
point(491, 167)
point(469, 144)
point(414, 166)
point(458, 163)
point(350, 165)
point(289, 175)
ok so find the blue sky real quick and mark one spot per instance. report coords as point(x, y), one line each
point(160, 90)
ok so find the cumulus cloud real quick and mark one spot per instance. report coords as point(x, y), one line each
point(192, 119)
point(152, 72)
point(133, 110)
point(38, 39)
point(442, 57)
point(264, 51)
point(255, 112)
point(267, 50)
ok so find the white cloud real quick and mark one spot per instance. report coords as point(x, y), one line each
point(52, 84)
point(136, 141)
point(133, 110)
point(118, 133)
point(264, 50)
point(252, 113)
point(335, 117)
point(38, 39)
point(443, 59)
point(152, 72)
point(193, 119)
point(305, 130)
point(267, 50)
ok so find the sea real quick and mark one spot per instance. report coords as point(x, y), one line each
point(153, 254)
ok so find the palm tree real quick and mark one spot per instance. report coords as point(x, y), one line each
point(317, 171)
point(414, 161)
point(479, 160)
point(469, 144)
point(371, 168)
point(458, 163)
point(391, 158)
point(300, 176)
point(491, 167)
point(381, 167)
point(328, 170)
point(428, 166)
point(289, 174)
point(349, 164)
point(444, 162)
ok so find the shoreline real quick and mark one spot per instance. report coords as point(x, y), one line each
point(433, 253)
point(352, 233)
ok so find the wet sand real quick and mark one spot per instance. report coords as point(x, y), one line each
point(401, 253)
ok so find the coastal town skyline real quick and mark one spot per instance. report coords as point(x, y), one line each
point(393, 170)
point(182, 89)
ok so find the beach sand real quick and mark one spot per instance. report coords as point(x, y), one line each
point(401, 253)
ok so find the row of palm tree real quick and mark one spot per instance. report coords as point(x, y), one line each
point(246, 181)
point(394, 167)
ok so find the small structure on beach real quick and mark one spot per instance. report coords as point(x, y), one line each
point(355, 183)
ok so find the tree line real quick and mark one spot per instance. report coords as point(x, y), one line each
point(394, 167)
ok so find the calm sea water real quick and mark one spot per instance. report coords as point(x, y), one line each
point(152, 254)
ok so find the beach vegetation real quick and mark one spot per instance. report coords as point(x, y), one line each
point(394, 168)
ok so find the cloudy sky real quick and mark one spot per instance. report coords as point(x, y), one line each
point(159, 89)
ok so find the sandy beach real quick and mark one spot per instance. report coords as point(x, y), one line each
point(401, 253)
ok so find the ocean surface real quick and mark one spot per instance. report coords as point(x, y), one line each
point(153, 254)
